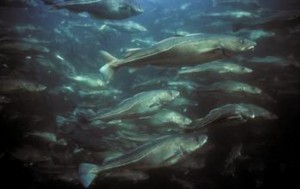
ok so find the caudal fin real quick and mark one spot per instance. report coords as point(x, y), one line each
point(87, 173)
point(108, 69)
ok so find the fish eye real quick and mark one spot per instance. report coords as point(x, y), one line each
point(242, 41)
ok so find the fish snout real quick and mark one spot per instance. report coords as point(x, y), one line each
point(257, 90)
point(187, 121)
point(174, 94)
point(248, 70)
point(251, 46)
point(202, 139)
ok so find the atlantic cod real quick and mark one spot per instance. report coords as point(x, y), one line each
point(161, 152)
point(101, 9)
point(179, 51)
point(141, 104)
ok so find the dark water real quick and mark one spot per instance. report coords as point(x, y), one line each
point(268, 148)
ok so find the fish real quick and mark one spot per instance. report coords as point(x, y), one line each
point(48, 137)
point(141, 104)
point(137, 136)
point(252, 3)
point(176, 32)
point(230, 86)
point(178, 51)
point(231, 15)
point(218, 67)
point(182, 102)
point(148, 41)
point(274, 61)
point(88, 81)
point(126, 26)
point(232, 114)
point(256, 34)
point(102, 9)
point(161, 152)
point(146, 83)
point(167, 118)
point(276, 21)
point(97, 94)
point(26, 28)
point(12, 86)
point(22, 47)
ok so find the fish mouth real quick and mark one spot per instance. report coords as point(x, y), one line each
point(250, 48)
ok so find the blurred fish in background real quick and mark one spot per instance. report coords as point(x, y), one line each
point(205, 93)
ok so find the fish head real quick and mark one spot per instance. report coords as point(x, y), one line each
point(251, 111)
point(100, 83)
point(179, 119)
point(243, 69)
point(141, 28)
point(193, 142)
point(232, 44)
point(243, 87)
point(254, 90)
point(259, 112)
point(129, 9)
point(169, 95)
point(269, 115)
point(186, 120)
point(235, 68)
point(182, 121)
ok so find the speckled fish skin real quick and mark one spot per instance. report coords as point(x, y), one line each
point(161, 152)
point(140, 104)
point(102, 9)
point(178, 51)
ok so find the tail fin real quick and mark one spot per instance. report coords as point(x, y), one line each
point(108, 69)
point(87, 173)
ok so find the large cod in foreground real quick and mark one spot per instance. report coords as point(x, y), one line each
point(161, 152)
point(179, 51)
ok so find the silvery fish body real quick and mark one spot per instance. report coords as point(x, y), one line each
point(179, 51)
point(103, 9)
point(230, 86)
point(161, 152)
point(233, 114)
point(141, 104)
point(215, 67)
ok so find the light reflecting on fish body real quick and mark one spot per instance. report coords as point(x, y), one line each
point(171, 149)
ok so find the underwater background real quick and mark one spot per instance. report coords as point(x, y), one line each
point(50, 87)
